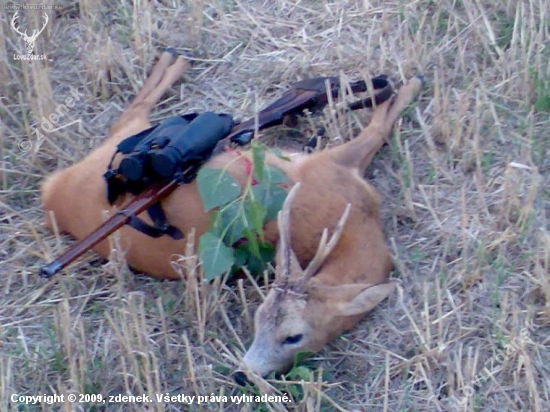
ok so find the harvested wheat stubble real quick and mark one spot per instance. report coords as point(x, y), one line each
point(464, 184)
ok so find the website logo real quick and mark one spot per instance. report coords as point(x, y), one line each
point(30, 41)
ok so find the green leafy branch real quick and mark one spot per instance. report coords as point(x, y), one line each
point(236, 238)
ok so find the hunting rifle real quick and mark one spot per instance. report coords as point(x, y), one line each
point(309, 94)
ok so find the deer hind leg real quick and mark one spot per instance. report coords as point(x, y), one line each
point(168, 69)
point(358, 153)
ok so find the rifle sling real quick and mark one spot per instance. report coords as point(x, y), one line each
point(160, 225)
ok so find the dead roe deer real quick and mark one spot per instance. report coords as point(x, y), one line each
point(333, 264)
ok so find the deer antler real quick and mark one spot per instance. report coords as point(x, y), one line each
point(288, 258)
point(283, 223)
point(325, 248)
point(16, 28)
point(35, 35)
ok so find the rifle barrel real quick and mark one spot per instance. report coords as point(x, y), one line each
point(139, 204)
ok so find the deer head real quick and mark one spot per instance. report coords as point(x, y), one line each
point(29, 40)
point(300, 313)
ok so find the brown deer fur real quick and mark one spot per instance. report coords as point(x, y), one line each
point(352, 279)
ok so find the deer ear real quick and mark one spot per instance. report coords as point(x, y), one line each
point(366, 300)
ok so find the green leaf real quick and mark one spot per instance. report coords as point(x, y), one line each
point(301, 372)
point(303, 357)
point(239, 217)
point(257, 266)
point(215, 223)
point(258, 159)
point(253, 245)
point(241, 255)
point(277, 152)
point(216, 187)
point(271, 197)
point(257, 214)
point(276, 175)
point(259, 193)
point(232, 222)
point(215, 256)
point(275, 202)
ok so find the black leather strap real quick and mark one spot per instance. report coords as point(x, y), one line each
point(160, 225)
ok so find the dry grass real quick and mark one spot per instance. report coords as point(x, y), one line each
point(464, 185)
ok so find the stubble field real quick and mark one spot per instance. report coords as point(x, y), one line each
point(464, 183)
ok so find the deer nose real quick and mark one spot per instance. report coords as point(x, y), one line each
point(240, 378)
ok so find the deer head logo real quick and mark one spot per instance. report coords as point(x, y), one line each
point(29, 40)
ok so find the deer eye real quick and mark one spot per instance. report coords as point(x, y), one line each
point(290, 340)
